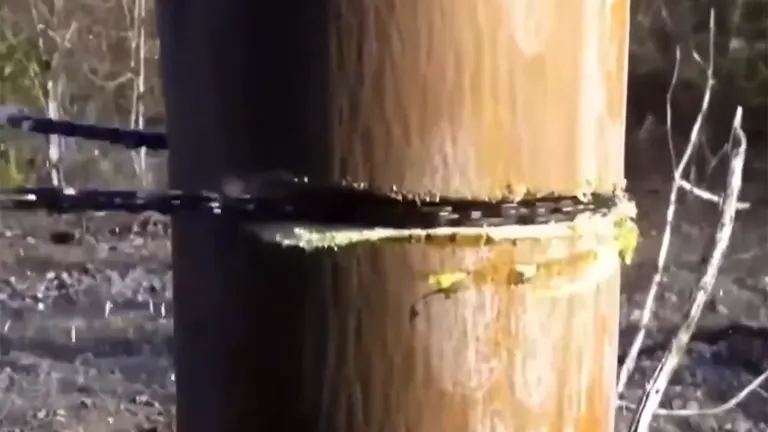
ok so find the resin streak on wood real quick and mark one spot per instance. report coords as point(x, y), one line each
point(492, 357)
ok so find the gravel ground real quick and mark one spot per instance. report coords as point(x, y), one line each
point(87, 327)
point(87, 321)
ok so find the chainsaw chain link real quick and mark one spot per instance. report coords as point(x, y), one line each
point(19, 118)
point(299, 201)
point(282, 197)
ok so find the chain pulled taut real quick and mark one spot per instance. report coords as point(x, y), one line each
point(20, 118)
point(300, 201)
point(283, 197)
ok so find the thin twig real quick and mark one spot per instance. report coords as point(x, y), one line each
point(655, 389)
point(670, 91)
point(730, 403)
point(709, 196)
point(629, 363)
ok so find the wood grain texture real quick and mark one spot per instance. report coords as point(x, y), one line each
point(478, 99)
point(461, 98)
point(492, 357)
point(486, 95)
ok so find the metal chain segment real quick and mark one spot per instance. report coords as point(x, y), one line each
point(282, 198)
point(306, 203)
point(19, 118)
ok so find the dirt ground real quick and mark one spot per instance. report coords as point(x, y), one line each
point(87, 328)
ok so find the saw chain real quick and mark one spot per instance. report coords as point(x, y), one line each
point(281, 197)
point(288, 199)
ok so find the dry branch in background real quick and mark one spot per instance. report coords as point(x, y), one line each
point(730, 403)
point(711, 197)
point(693, 141)
point(138, 40)
point(655, 390)
point(101, 67)
point(54, 35)
point(670, 92)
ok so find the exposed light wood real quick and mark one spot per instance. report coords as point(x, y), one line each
point(489, 94)
point(492, 357)
point(475, 99)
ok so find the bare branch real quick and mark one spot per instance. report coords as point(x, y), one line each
point(54, 34)
point(110, 85)
point(672, 85)
point(730, 403)
point(711, 197)
point(655, 390)
point(693, 140)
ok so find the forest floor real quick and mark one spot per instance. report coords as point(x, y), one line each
point(86, 326)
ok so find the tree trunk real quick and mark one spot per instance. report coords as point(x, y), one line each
point(473, 99)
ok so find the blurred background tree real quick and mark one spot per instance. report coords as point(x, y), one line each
point(22, 82)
